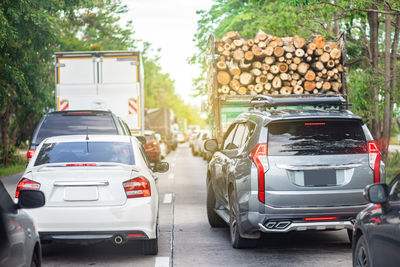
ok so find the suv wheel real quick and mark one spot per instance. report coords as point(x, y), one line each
point(361, 256)
point(213, 219)
point(35, 260)
point(236, 239)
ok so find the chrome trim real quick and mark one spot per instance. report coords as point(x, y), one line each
point(78, 183)
point(303, 226)
point(318, 167)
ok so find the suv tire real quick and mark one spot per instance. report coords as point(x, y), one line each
point(361, 255)
point(213, 219)
point(236, 239)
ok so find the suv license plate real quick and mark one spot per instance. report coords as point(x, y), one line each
point(320, 178)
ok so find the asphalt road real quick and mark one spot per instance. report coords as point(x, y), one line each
point(186, 239)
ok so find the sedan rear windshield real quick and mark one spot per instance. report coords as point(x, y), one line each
point(74, 124)
point(81, 152)
point(316, 138)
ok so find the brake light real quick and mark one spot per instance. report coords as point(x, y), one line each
point(79, 112)
point(155, 143)
point(30, 153)
point(137, 187)
point(314, 123)
point(80, 164)
point(26, 184)
point(259, 156)
point(374, 160)
point(321, 218)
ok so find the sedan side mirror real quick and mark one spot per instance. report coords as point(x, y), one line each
point(377, 193)
point(30, 199)
point(141, 139)
point(161, 167)
point(211, 145)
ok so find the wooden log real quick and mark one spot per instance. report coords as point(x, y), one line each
point(269, 60)
point(245, 48)
point(274, 69)
point(318, 85)
point(225, 89)
point(265, 67)
point(336, 86)
point(268, 86)
point(281, 59)
point(232, 35)
point(223, 77)
point(252, 92)
point(312, 46)
point(335, 53)
point(325, 57)
point(298, 90)
point(233, 46)
point(299, 52)
point(256, 40)
point(327, 47)
point(231, 92)
point(250, 42)
point(275, 92)
point(227, 46)
point(302, 68)
point(243, 65)
point(226, 53)
point(320, 41)
point(289, 61)
point(279, 41)
point(273, 44)
point(262, 44)
point(340, 68)
point(318, 65)
point(298, 41)
point(283, 67)
point(262, 36)
point(233, 68)
point(315, 91)
point(295, 76)
point(276, 83)
point(289, 48)
point(296, 60)
point(326, 85)
point(279, 51)
point(268, 51)
point(262, 79)
point(226, 39)
point(319, 51)
point(242, 90)
point(221, 65)
point(257, 51)
point(286, 90)
point(309, 85)
point(259, 88)
point(310, 75)
point(234, 84)
point(256, 64)
point(238, 54)
point(238, 42)
point(256, 72)
point(289, 56)
point(246, 78)
point(270, 76)
point(284, 76)
point(330, 64)
point(250, 87)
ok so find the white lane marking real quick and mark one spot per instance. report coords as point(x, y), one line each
point(171, 176)
point(167, 198)
point(173, 165)
point(174, 159)
point(162, 262)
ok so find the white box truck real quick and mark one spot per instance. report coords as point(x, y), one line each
point(102, 80)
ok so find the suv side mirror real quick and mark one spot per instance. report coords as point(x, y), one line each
point(377, 193)
point(161, 167)
point(211, 145)
point(30, 199)
point(141, 139)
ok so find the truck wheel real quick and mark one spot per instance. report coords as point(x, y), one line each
point(213, 219)
point(236, 239)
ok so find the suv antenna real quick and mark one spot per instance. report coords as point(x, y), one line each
point(87, 133)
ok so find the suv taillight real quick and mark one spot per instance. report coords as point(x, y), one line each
point(30, 153)
point(374, 160)
point(26, 184)
point(259, 155)
point(137, 187)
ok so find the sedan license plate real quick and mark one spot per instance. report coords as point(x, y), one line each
point(81, 193)
point(320, 177)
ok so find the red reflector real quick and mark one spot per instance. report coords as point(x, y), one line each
point(135, 235)
point(26, 184)
point(314, 123)
point(321, 218)
point(79, 112)
point(372, 147)
point(30, 153)
point(80, 164)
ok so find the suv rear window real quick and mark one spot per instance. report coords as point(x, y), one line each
point(119, 152)
point(316, 137)
point(56, 125)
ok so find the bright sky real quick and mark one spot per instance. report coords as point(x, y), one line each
point(170, 25)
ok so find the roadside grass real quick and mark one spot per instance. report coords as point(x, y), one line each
point(17, 163)
point(394, 140)
point(392, 166)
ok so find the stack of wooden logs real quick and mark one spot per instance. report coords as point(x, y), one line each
point(272, 65)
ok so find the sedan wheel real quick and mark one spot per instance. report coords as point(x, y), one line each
point(361, 256)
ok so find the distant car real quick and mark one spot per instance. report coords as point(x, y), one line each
point(180, 137)
point(19, 239)
point(76, 122)
point(201, 137)
point(376, 233)
point(98, 187)
point(152, 147)
point(192, 138)
point(163, 145)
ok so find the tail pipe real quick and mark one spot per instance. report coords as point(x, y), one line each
point(118, 240)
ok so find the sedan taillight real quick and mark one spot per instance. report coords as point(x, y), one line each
point(30, 153)
point(26, 184)
point(137, 187)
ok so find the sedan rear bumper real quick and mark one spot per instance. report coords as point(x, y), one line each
point(117, 237)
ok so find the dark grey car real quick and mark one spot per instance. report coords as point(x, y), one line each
point(291, 169)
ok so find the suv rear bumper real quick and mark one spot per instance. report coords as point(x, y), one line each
point(288, 226)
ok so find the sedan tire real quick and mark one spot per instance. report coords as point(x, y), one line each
point(213, 219)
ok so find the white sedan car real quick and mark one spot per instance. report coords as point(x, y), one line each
point(97, 188)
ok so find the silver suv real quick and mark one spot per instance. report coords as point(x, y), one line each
point(291, 164)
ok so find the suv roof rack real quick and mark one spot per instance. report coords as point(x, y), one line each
point(325, 101)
